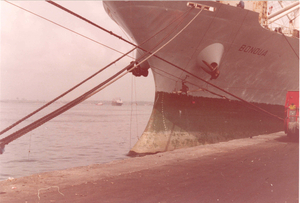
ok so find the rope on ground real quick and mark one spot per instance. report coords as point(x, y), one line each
point(47, 189)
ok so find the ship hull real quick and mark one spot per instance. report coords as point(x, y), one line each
point(179, 121)
point(256, 66)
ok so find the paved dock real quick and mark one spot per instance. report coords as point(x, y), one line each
point(262, 169)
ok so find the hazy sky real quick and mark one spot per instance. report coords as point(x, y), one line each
point(40, 60)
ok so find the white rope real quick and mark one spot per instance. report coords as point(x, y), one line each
point(148, 56)
point(47, 189)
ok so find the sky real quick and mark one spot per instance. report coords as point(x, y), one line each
point(41, 60)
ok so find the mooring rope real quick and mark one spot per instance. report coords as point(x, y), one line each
point(73, 88)
point(221, 89)
point(110, 32)
point(83, 97)
point(199, 87)
point(55, 113)
point(290, 45)
point(65, 28)
point(63, 94)
point(145, 59)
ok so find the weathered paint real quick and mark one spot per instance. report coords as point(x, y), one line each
point(179, 121)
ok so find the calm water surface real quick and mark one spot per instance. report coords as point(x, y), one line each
point(84, 135)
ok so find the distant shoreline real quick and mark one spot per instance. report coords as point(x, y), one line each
point(84, 102)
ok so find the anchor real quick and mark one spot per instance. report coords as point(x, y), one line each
point(215, 72)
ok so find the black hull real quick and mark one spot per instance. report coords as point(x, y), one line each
point(186, 121)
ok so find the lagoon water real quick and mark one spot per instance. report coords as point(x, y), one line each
point(87, 134)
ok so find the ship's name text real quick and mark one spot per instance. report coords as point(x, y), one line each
point(253, 50)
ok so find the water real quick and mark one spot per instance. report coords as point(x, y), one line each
point(87, 134)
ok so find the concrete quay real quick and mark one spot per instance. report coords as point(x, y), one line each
point(262, 169)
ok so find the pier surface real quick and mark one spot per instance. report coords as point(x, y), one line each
point(262, 169)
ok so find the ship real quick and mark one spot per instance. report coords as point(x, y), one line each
point(221, 68)
point(117, 102)
point(224, 75)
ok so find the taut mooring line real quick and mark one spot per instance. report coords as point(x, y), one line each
point(52, 101)
point(290, 45)
point(129, 68)
point(83, 97)
point(63, 94)
point(110, 32)
point(55, 113)
point(88, 21)
point(65, 28)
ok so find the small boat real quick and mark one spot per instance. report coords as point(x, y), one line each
point(99, 104)
point(117, 102)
